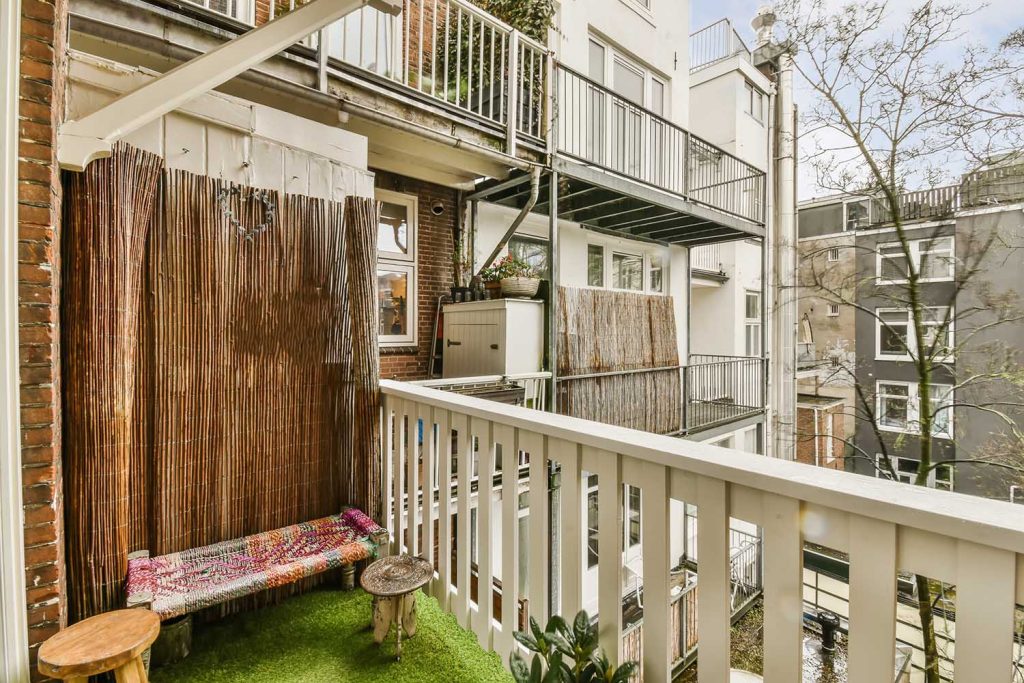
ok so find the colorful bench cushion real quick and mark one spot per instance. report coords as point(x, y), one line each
point(183, 582)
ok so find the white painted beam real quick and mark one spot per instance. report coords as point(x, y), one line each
point(14, 666)
point(80, 142)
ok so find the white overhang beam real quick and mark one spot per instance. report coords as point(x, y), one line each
point(80, 142)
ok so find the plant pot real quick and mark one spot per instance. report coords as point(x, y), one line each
point(494, 289)
point(519, 287)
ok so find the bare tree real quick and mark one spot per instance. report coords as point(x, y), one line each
point(898, 102)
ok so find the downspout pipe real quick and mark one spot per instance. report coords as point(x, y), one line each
point(523, 213)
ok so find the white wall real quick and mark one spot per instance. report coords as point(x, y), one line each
point(494, 220)
point(227, 137)
point(717, 96)
point(658, 37)
point(717, 316)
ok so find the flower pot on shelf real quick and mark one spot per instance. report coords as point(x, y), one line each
point(519, 287)
point(493, 289)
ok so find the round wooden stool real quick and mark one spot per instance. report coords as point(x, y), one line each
point(113, 641)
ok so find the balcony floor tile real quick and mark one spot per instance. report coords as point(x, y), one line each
point(324, 635)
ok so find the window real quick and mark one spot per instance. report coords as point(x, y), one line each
point(898, 408)
point(752, 323)
point(936, 261)
point(833, 310)
point(236, 9)
point(533, 252)
point(632, 503)
point(595, 265)
point(906, 471)
point(894, 406)
point(933, 259)
point(655, 275)
point(625, 271)
point(753, 101)
point(892, 263)
point(833, 254)
point(896, 341)
point(858, 214)
point(940, 401)
point(893, 329)
point(628, 272)
point(396, 268)
point(592, 517)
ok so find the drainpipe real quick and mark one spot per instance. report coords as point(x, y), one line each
point(783, 256)
point(784, 270)
point(523, 213)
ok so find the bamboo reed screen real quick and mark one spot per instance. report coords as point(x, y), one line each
point(604, 331)
point(215, 385)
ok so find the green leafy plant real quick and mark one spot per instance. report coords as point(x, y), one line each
point(509, 266)
point(566, 654)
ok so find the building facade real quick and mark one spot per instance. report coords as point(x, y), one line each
point(857, 339)
point(634, 170)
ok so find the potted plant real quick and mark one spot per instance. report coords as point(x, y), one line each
point(492, 281)
point(565, 654)
point(461, 267)
point(516, 276)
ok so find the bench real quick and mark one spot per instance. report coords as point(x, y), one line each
point(180, 583)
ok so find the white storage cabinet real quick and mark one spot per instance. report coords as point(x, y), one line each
point(497, 337)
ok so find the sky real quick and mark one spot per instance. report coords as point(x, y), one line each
point(988, 26)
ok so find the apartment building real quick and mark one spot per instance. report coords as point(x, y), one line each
point(606, 142)
point(855, 324)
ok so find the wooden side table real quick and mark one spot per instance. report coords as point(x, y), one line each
point(113, 641)
point(393, 582)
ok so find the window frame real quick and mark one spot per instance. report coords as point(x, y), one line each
point(832, 256)
point(832, 311)
point(861, 222)
point(946, 483)
point(648, 261)
point(913, 412)
point(753, 94)
point(752, 323)
point(388, 261)
point(612, 53)
point(911, 341)
point(246, 10)
point(915, 259)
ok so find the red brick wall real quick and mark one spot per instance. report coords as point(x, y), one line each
point(808, 433)
point(43, 27)
point(434, 246)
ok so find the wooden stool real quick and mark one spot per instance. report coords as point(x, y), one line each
point(113, 641)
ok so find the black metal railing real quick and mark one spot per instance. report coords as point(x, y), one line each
point(605, 129)
point(720, 389)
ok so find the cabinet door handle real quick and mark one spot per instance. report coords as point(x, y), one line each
point(494, 346)
point(454, 343)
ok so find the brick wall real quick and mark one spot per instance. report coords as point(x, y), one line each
point(434, 246)
point(810, 434)
point(43, 27)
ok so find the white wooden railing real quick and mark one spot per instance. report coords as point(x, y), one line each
point(974, 544)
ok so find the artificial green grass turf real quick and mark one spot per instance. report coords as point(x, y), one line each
point(324, 635)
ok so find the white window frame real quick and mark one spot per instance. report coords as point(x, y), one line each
point(245, 10)
point(830, 451)
point(608, 253)
point(610, 273)
point(861, 223)
point(911, 339)
point(752, 323)
point(913, 400)
point(945, 484)
point(915, 257)
point(833, 254)
point(611, 54)
point(404, 263)
point(833, 311)
point(752, 94)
